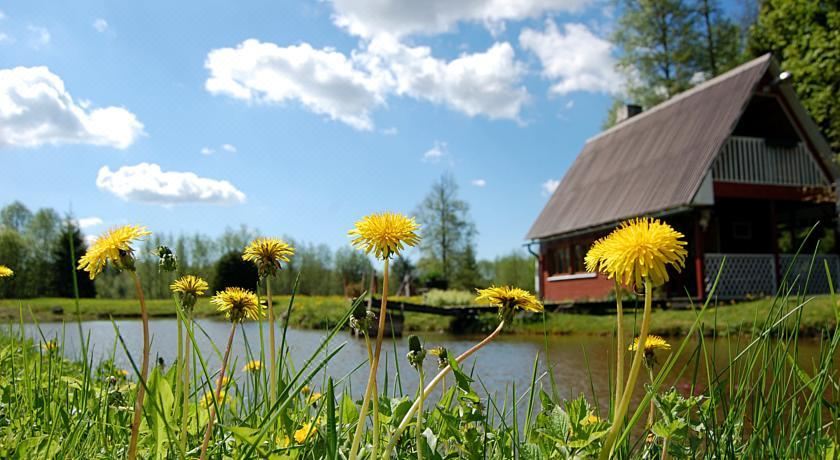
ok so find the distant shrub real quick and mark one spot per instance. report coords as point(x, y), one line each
point(449, 298)
point(232, 271)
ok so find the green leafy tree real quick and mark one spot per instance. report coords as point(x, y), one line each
point(232, 271)
point(15, 216)
point(446, 227)
point(13, 252)
point(467, 275)
point(720, 44)
point(515, 269)
point(352, 267)
point(63, 263)
point(805, 37)
point(658, 42)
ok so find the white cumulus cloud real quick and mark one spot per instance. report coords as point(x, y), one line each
point(367, 18)
point(87, 222)
point(207, 151)
point(478, 182)
point(100, 25)
point(573, 58)
point(324, 81)
point(36, 109)
point(40, 36)
point(550, 186)
point(434, 154)
point(486, 83)
point(229, 148)
point(348, 88)
point(146, 182)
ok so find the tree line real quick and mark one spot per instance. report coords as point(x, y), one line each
point(668, 46)
point(42, 248)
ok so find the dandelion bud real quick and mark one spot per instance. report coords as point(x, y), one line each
point(442, 356)
point(416, 353)
point(125, 260)
point(167, 262)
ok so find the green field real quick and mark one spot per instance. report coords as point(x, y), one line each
point(320, 312)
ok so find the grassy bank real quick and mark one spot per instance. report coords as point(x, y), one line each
point(321, 312)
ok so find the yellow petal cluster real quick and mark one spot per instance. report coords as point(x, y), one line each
point(237, 304)
point(252, 366)
point(5, 271)
point(385, 234)
point(306, 431)
point(509, 297)
point(313, 398)
point(113, 245)
point(640, 249)
point(652, 343)
point(207, 400)
point(267, 254)
point(50, 345)
point(189, 285)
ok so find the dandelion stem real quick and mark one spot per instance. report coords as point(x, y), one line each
point(650, 414)
point(418, 429)
point(380, 334)
point(186, 383)
point(271, 352)
point(217, 394)
point(144, 371)
point(375, 403)
point(621, 410)
point(433, 383)
point(619, 352)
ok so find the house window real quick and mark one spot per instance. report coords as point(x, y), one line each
point(561, 261)
point(580, 255)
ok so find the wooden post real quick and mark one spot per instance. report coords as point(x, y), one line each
point(698, 259)
point(774, 235)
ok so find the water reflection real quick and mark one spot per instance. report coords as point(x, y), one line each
point(580, 364)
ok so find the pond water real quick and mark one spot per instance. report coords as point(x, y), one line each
point(580, 363)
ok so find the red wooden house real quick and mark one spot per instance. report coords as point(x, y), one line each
point(736, 164)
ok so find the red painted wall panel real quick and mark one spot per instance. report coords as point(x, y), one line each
point(597, 288)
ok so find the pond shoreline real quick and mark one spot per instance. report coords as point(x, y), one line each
point(319, 313)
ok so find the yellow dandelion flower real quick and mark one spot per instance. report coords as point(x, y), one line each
point(252, 366)
point(113, 245)
point(313, 398)
point(283, 442)
point(267, 253)
point(225, 380)
point(642, 249)
point(305, 390)
point(306, 431)
point(595, 256)
point(189, 288)
point(238, 304)
point(50, 345)
point(207, 400)
point(590, 419)
point(189, 284)
point(121, 373)
point(385, 234)
point(507, 297)
point(5, 271)
point(652, 343)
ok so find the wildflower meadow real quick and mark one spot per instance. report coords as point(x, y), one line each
point(763, 403)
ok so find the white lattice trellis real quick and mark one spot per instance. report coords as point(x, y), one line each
point(817, 283)
point(746, 275)
point(743, 275)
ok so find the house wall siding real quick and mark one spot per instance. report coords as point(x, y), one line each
point(597, 288)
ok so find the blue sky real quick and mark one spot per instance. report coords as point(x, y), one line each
point(297, 118)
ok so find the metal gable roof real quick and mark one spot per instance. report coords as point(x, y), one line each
point(653, 162)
